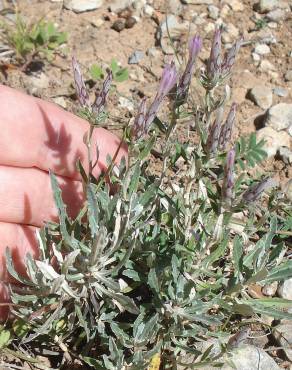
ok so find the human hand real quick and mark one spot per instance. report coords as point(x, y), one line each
point(35, 137)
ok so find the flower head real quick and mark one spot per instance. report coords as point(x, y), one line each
point(80, 87)
point(214, 133)
point(195, 46)
point(214, 62)
point(228, 181)
point(100, 100)
point(230, 56)
point(138, 129)
point(168, 80)
point(226, 131)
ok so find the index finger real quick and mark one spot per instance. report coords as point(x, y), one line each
point(36, 133)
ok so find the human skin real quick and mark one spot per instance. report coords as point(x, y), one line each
point(37, 137)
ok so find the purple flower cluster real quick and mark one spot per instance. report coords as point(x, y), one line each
point(195, 45)
point(220, 135)
point(218, 67)
point(82, 94)
point(228, 180)
point(145, 117)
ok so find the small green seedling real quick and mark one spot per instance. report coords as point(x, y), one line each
point(29, 41)
point(261, 23)
point(119, 74)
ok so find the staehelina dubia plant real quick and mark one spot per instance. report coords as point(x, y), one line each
point(145, 274)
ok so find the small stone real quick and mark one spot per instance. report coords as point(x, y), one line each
point(273, 25)
point(174, 6)
point(40, 81)
point(213, 12)
point(235, 5)
point(262, 49)
point(266, 37)
point(265, 6)
point(130, 22)
point(266, 66)
point(276, 15)
point(262, 96)
point(285, 154)
point(136, 57)
point(283, 335)
point(97, 22)
point(79, 6)
point(225, 10)
point(60, 101)
point(248, 357)
point(210, 27)
point(279, 116)
point(255, 57)
point(153, 52)
point(118, 25)
point(288, 75)
point(274, 140)
point(200, 19)
point(232, 30)
point(117, 6)
point(198, 2)
point(285, 289)
point(126, 103)
point(148, 10)
point(270, 289)
point(280, 91)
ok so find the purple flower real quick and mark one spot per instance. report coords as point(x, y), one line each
point(195, 46)
point(168, 81)
point(226, 131)
point(230, 56)
point(80, 87)
point(228, 181)
point(255, 191)
point(214, 133)
point(138, 129)
point(100, 100)
point(214, 62)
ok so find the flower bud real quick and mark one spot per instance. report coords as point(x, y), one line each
point(214, 62)
point(100, 100)
point(214, 133)
point(228, 181)
point(195, 46)
point(255, 191)
point(168, 81)
point(139, 129)
point(229, 57)
point(80, 87)
point(226, 131)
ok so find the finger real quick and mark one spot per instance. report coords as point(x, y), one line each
point(26, 196)
point(21, 239)
point(35, 133)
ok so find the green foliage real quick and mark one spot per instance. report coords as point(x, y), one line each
point(40, 39)
point(145, 274)
point(261, 23)
point(119, 74)
point(4, 337)
point(249, 152)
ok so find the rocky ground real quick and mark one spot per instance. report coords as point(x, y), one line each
point(136, 34)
